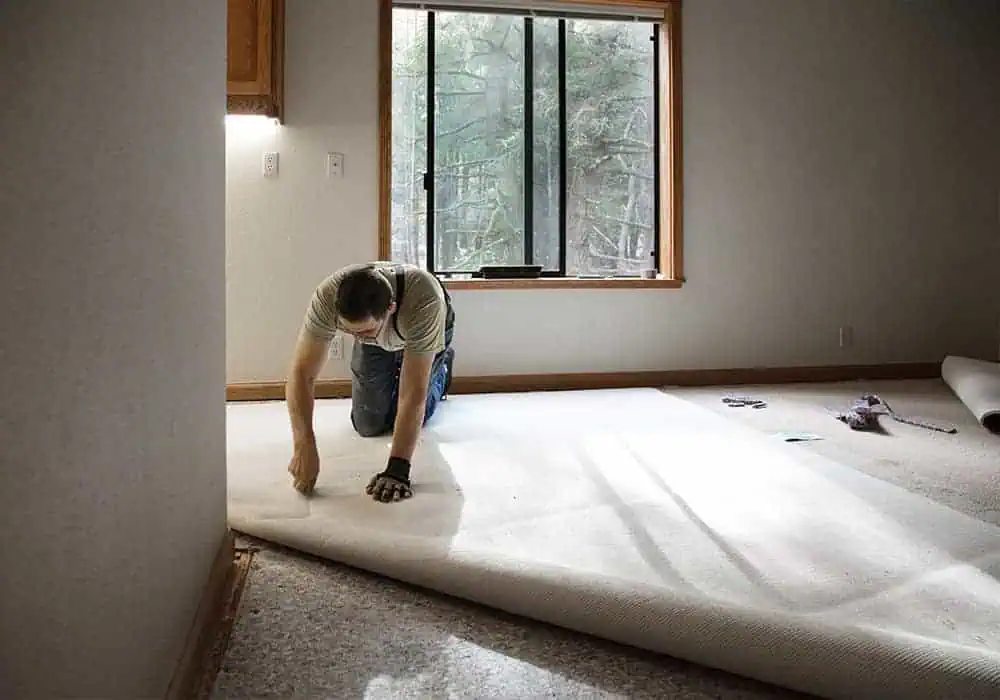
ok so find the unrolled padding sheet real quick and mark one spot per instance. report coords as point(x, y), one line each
point(977, 384)
point(642, 518)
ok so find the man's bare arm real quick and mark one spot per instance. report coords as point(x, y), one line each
point(308, 361)
point(413, 385)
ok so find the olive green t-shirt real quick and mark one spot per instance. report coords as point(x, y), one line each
point(420, 319)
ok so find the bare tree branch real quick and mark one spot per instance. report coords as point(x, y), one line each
point(463, 127)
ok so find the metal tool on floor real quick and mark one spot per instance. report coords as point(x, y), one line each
point(743, 401)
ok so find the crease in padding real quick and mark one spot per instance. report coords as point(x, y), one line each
point(642, 518)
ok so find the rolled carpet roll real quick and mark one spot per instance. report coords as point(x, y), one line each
point(977, 384)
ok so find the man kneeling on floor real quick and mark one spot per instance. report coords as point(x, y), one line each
point(403, 324)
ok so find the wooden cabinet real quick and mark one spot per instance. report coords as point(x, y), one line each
point(255, 65)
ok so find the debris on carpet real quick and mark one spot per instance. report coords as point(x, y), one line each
point(797, 437)
point(742, 401)
point(867, 409)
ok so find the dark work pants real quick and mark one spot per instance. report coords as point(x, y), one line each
point(375, 384)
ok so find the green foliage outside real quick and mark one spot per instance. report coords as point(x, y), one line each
point(479, 163)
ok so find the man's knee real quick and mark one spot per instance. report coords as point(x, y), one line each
point(373, 392)
point(372, 408)
point(370, 423)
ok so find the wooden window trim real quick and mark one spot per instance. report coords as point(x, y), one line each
point(672, 219)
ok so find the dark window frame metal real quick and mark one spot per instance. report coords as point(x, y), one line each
point(529, 136)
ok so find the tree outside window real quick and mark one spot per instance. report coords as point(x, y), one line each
point(539, 145)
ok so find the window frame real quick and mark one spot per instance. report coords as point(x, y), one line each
point(669, 248)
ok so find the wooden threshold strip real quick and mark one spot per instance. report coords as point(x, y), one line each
point(511, 383)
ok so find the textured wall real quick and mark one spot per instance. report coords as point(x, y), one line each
point(841, 168)
point(112, 423)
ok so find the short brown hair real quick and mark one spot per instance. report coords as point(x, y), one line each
point(362, 294)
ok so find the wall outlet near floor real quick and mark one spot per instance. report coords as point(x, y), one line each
point(269, 165)
point(846, 336)
point(337, 348)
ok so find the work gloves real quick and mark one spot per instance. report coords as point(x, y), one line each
point(393, 484)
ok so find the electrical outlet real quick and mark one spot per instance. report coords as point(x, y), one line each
point(335, 165)
point(270, 164)
point(337, 348)
point(846, 336)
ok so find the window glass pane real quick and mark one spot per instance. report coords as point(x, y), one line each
point(610, 151)
point(545, 110)
point(409, 137)
point(478, 140)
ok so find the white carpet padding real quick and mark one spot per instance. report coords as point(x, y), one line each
point(977, 384)
point(642, 518)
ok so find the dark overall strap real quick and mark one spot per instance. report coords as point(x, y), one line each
point(400, 288)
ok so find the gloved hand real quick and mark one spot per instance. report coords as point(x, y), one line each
point(393, 484)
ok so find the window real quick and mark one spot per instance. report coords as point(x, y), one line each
point(528, 137)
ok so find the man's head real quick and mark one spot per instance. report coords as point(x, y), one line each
point(364, 302)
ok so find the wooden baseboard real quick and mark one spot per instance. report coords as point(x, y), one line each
point(212, 660)
point(491, 384)
point(201, 637)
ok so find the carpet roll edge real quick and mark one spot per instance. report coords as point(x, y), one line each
point(976, 383)
point(797, 652)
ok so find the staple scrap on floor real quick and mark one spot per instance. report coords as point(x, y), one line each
point(866, 410)
point(742, 401)
point(797, 437)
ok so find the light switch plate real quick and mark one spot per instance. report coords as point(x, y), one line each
point(335, 165)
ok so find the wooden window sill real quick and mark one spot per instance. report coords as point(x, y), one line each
point(563, 283)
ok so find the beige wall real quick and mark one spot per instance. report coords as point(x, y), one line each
point(112, 423)
point(841, 168)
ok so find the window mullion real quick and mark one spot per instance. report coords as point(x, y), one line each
point(429, 179)
point(657, 174)
point(563, 184)
point(528, 215)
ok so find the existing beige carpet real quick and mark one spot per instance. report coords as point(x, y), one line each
point(648, 520)
point(959, 471)
point(977, 384)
